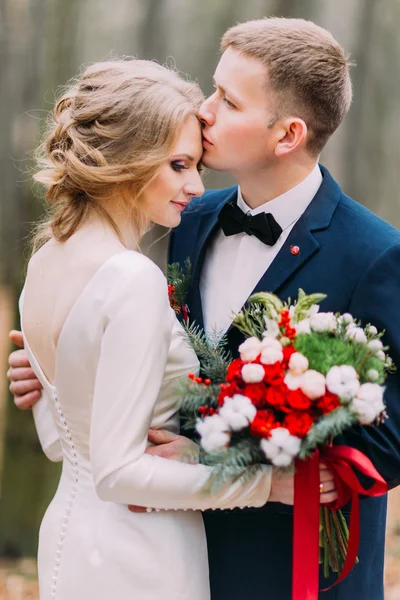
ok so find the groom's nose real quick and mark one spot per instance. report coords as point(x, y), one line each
point(206, 114)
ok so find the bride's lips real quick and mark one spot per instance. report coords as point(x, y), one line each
point(180, 205)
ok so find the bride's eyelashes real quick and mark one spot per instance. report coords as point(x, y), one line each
point(178, 166)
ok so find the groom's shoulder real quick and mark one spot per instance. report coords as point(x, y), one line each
point(360, 223)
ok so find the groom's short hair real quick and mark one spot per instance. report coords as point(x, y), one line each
point(306, 68)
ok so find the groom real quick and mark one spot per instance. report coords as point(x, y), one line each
point(282, 87)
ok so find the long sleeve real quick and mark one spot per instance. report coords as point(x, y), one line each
point(376, 301)
point(130, 371)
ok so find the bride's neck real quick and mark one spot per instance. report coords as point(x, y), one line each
point(123, 232)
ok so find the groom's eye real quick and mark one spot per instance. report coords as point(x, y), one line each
point(178, 166)
point(229, 103)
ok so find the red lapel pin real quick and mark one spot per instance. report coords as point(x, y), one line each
point(294, 249)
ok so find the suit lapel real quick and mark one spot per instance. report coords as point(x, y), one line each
point(317, 217)
point(210, 228)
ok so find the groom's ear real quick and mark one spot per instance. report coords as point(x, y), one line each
point(291, 134)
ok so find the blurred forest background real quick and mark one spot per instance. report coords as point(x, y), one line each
point(42, 44)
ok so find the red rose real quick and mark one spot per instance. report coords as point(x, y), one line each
point(227, 390)
point(287, 353)
point(298, 423)
point(273, 374)
point(256, 392)
point(276, 397)
point(235, 370)
point(327, 403)
point(262, 424)
point(297, 399)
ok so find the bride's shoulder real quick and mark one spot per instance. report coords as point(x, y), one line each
point(133, 265)
point(136, 274)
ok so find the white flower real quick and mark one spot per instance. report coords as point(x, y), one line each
point(272, 328)
point(271, 351)
point(375, 345)
point(281, 447)
point(373, 375)
point(293, 381)
point(343, 381)
point(250, 349)
point(298, 363)
point(346, 318)
point(323, 322)
point(313, 384)
point(238, 412)
point(369, 402)
point(307, 313)
point(372, 330)
point(252, 373)
point(365, 412)
point(214, 432)
point(381, 355)
point(303, 326)
point(356, 333)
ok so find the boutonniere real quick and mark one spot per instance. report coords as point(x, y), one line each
point(178, 283)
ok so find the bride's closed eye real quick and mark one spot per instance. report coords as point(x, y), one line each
point(177, 166)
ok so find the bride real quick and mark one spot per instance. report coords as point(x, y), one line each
point(122, 150)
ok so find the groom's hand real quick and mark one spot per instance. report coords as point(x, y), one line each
point(170, 446)
point(282, 487)
point(24, 385)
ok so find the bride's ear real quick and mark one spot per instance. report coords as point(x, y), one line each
point(292, 134)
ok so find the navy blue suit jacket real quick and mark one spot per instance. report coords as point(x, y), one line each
point(352, 256)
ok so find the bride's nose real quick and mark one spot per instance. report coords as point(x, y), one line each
point(195, 186)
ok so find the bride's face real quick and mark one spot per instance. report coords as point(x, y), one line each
point(178, 181)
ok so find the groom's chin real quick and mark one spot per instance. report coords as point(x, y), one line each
point(211, 162)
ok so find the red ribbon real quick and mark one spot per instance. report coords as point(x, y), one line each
point(341, 460)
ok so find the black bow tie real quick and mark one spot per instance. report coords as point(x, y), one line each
point(233, 220)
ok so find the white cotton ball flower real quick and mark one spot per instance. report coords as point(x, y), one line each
point(375, 345)
point(270, 356)
point(214, 432)
point(343, 381)
point(369, 402)
point(371, 393)
point(250, 349)
point(238, 412)
point(323, 322)
point(372, 330)
point(365, 412)
point(298, 363)
point(271, 351)
point(281, 447)
point(381, 355)
point(252, 373)
point(303, 326)
point(346, 318)
point(272, 328)
point(293, 381)
point(356, 333)
point(373, 375)
point(313, 384)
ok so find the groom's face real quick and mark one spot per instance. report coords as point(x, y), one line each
point(237, 138)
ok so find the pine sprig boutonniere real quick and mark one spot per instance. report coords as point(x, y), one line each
point(178, 283)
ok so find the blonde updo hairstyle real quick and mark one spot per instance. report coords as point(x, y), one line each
point(110, 133)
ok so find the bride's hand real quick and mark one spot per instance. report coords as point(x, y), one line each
point(282, 487)
point(170, 446)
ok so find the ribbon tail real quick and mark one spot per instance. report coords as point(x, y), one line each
point(306, 529)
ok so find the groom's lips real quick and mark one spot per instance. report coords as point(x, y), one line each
point(207, 141)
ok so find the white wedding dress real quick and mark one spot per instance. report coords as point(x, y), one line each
point(119, 356)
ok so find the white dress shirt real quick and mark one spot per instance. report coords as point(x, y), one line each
point(234, 265)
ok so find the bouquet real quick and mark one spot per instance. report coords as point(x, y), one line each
point(302, 378)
